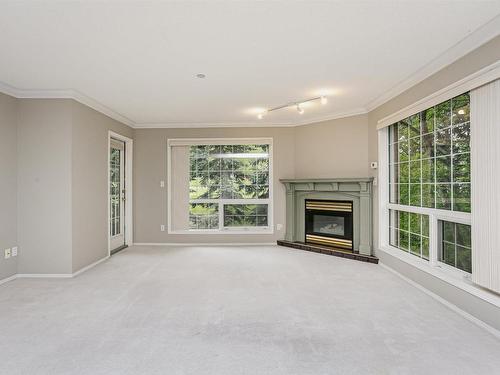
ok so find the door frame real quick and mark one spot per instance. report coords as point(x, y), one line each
point(129, 230)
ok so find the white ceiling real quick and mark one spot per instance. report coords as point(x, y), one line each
point(137, 61)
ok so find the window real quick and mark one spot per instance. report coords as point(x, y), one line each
point(229, 186)
point(429, 184)
point(429, 156)
point(455, 245)
point(409, 232)
point(115, 175)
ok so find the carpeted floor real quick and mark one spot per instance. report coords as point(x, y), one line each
point(234, 310)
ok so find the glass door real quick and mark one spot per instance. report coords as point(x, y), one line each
point(117, 194)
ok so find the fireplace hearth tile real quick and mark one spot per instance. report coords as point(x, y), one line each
point(329, 251)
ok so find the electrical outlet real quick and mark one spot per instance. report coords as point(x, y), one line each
point(14, 251)
point(162, 228)
point(279, 226)
point(7, 253)
point(162, 184)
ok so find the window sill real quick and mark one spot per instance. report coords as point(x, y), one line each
point(453, 277)
point(222, 232)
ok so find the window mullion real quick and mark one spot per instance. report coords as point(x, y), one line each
point(221, 215)
point(433, 240)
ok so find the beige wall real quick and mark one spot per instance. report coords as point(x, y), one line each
point(8, 183)
point(44, 185)
point(474, 61)
point(62, 199)
point(150, 167)
point(89, 175)
point(321, 150)
point(337, 148)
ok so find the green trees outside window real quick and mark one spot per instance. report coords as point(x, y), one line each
point(456, 245)
point(430, 157)
point(430, 171)
point(232, 180)
point(410, 232)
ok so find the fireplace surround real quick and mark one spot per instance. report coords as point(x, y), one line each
point(311, 204)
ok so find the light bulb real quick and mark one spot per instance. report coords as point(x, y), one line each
point(324, 100)
point(300, 109)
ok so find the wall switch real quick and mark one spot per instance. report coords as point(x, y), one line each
point(162, 228)
point(279, 226)
point(7, 253)
point(14, 251)
point(375, 181)
point(162, 183)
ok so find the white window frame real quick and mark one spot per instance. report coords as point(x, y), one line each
point(269, 229)
point(433, 266)
point(434, 215)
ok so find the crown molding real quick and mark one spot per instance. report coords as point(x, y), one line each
point(65, 94)
point(472, 41)
point(94, 104)
point(260, 124)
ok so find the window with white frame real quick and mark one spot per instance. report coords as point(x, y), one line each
point(429, 183)
point(229, 186)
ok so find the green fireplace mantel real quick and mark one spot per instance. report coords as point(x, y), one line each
point(357, 190)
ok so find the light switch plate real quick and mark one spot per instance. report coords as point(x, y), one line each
point(7, 253)
point(14, 251)
point(162, 183)
point(162, 228)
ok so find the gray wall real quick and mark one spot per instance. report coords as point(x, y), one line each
point(150, 167)
point(89, 175)
point(474, 61)
point(8, 183)
point(44, 185)
point(337, 148)
point(56, 198)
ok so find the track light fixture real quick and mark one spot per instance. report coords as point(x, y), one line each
point(298, 105)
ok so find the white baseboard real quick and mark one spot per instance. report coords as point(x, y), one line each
point(44, 275)
point(86, 268)
point(7, 279)
point(53, 275)
point(204, 244)
point(449, 305)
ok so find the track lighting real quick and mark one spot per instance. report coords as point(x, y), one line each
point(298, 105)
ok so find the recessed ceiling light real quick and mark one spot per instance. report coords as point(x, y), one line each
point(200, 75)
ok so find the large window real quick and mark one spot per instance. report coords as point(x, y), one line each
point(429, 156)
point(229, 186)
point(429, 184)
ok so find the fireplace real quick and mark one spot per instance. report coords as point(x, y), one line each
point(329, 223)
